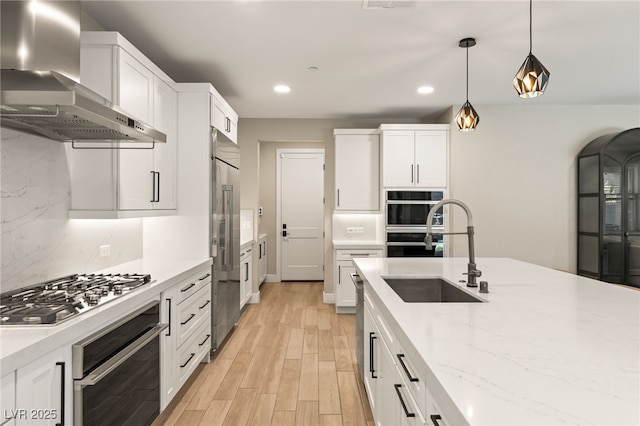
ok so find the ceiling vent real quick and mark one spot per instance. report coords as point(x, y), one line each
point(387, 4)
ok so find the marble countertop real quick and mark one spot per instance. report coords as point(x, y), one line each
point(21, 345)
point(546, 348)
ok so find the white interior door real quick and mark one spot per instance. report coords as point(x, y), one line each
point(301, 224)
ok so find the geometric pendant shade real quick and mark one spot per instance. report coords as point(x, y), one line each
point(467, 118)
point(532, 78)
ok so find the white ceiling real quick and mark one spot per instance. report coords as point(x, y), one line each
point(372, 61)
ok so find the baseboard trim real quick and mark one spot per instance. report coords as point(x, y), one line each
point(272, 278)
point(328, 298)
point(255, 297)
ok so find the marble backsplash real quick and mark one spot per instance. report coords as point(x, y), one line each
point(39, 241)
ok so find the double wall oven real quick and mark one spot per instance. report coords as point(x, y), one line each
point(406, 216)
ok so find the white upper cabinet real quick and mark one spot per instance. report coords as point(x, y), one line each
point(415, 156)
point(223, 117)
point(126, 182)
point(357, 169)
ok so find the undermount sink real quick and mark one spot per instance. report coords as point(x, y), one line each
point(429, 290)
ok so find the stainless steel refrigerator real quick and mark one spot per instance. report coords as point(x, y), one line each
point(225, 236)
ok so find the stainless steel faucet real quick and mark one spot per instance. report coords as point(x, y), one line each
point(472, 272)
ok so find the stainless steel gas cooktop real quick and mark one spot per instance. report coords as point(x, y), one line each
point(57, 300)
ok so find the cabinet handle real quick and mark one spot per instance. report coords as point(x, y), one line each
point(189, 360)
point(205, 340)
point(153, 189)
point(418, 173)
point(406, 370)
point(339, 274)
point(158, 188)
point(372, 370)
point(188, 319)
point(404, 406)
point(62, 401)
point(169, 311)
point(209, 301)
point(187, 287)
point(204, 278)
point(435, 418)
point(338, 203)
point(412, 173)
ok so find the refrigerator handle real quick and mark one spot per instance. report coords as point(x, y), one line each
point(227, 212)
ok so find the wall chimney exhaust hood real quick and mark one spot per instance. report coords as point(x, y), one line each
point(39, 92)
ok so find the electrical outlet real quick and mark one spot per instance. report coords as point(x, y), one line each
point(105, 250)
point(351, 230)
point(358, 230)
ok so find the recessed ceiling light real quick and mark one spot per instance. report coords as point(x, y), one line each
point(281, 88)
point(423, 90)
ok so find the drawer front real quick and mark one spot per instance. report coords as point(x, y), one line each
point(192, 312)
point(383, 327)
point(193, 284)
point(414, 378)
point(192, 352)
point(350, 254)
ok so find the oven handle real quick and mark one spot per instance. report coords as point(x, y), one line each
point(395, 244)
point(101, 372)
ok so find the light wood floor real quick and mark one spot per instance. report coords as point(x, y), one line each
point(290, 361)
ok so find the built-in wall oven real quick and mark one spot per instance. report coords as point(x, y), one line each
point(406, 218)
point(116, 372)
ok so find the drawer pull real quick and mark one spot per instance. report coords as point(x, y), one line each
point(209, 301)
point(406, 370)
point(205, 340)
point(187, 287)
point(404, 406)
point(204, 278)
point(435, 418)
point(372, 370)
point(188, 361)
point(188, 319)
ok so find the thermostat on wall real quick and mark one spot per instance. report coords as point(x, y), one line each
point(259, 211)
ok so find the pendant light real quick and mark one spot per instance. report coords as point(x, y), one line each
point(467, 118)
point(532, 77)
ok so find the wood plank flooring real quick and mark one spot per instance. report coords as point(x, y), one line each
point(290, 361)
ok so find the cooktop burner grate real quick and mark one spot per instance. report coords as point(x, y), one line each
point(54, 301)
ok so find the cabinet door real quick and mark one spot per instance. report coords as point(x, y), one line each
point(387, 406)
point(398, 158)
point(165, 117)
point(431, 158)
point(345, 290)
point(262, 262)
point(371, 339)
point(218, 115)
point(135, 96)
point(357, 172)
point(43, 390)
point(135, 87)
point(168, 315)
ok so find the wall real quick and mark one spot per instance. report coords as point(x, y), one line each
point(517, 173)
point(39, 242)
point(256, 133)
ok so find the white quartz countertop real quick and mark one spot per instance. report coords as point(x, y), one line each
point(20, 345)
point(347, 244)
point(547, 347)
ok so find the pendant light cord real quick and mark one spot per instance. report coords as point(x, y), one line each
point(467, 48)
point(530, 26)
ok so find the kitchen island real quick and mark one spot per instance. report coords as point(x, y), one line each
point(545, 347)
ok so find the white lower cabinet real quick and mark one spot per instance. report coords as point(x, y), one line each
point(395, 379)
point(43, 391)
point(246, 273)
point(186, 307)
point(262, 258)
point(344, 287)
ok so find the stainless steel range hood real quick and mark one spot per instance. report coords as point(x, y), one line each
point(38, 91)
